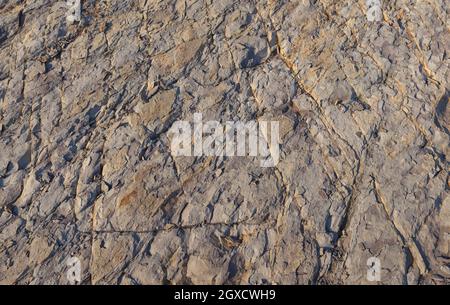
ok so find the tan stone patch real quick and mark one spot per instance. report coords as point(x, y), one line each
point(176, 58)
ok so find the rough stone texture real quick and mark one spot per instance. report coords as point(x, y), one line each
point(86, 168)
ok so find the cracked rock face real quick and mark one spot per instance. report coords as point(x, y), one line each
point(87, 170)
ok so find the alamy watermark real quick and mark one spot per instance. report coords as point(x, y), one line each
point(74, 272)
point(232, 139)
point(374, 10)
point(374, 269)
point(74, 12)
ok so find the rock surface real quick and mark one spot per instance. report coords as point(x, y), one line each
point(86, 168)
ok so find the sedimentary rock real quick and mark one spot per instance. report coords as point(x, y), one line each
point(86, 168)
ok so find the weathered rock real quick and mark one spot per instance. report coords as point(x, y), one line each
point(87, 170)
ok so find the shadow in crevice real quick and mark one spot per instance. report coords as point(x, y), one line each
point(441, 113)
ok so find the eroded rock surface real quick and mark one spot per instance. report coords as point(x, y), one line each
point(86, 168)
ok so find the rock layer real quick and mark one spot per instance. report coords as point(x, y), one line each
point(86, 168)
